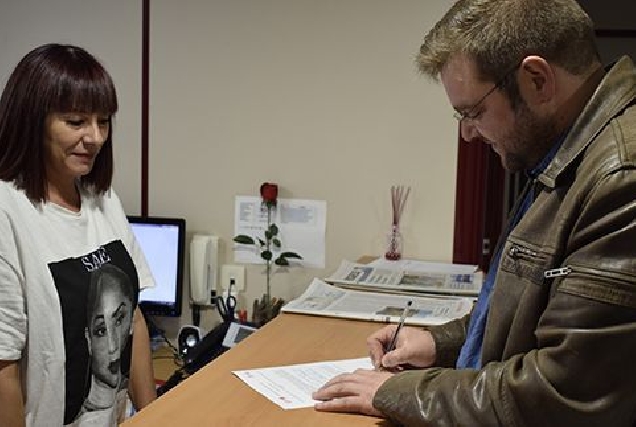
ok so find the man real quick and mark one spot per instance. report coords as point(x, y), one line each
point(552, 338)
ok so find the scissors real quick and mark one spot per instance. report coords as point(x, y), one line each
point(226, 307)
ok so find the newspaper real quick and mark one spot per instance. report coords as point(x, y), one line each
point(324, 299)
point(448, 279)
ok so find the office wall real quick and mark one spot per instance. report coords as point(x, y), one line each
point(320, 96)
point(111, 30)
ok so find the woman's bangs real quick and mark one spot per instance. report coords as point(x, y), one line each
point(91, 92)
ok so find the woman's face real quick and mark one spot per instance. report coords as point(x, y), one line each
point(109, 332)
point(72, 143)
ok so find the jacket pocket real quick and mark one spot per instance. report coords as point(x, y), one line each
point(608, 286)
point(524, 262)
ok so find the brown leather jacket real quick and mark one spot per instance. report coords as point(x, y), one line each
point(558, 351)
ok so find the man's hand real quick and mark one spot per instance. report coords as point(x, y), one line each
point(351, 392)
point(414, 347)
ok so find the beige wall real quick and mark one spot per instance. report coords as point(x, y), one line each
point(320, 96)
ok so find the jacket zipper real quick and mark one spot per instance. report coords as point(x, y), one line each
point(579, 271)
point(557, 272)
point(520, 252)
point(516, 251)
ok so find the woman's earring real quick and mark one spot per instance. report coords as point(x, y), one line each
point(88, 340)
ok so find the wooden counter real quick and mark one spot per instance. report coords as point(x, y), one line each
point(215, 397)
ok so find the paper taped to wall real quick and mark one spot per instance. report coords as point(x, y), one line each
point(301, 227)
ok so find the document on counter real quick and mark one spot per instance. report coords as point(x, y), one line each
point(409, 276)
point(417, 266)
point(290, 387)
point(323, 299)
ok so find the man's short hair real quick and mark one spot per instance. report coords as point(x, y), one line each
point(498, 34)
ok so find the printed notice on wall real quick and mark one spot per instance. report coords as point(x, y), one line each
point(301, 229)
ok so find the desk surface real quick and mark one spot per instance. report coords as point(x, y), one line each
point(163, 363)
point(215, 397)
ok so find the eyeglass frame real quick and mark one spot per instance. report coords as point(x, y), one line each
point(470, 114)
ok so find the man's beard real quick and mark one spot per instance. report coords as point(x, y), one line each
point(531, 139)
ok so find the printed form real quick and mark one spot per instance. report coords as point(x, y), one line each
point(290, 387)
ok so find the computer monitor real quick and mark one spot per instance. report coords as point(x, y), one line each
point(162, 241)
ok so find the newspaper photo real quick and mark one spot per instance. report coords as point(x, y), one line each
point(417, 277)
point(324, 299)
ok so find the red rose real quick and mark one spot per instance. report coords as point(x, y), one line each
point(269, 193)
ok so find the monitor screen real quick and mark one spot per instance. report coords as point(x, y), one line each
point(162, 241)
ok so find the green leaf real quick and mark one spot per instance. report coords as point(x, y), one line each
point(273, 229)
point(290, 255)
point(281, 261)
point(261, 242)
point(276, 243)
point(244, 240)
point(268, 235)
point(266, 255)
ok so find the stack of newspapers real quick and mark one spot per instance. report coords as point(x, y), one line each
point(380, 290)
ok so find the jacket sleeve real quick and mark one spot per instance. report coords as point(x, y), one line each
point(449, 338)
point(582, 371)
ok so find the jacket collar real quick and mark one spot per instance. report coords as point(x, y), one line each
point(615, 92)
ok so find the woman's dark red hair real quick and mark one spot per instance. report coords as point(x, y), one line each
point(52, 78)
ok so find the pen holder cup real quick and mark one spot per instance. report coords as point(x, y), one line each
point(266, 309)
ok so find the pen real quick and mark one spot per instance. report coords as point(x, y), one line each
point(391, 346)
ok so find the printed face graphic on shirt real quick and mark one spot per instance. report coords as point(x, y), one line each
point(110, 305)
point(98, 296)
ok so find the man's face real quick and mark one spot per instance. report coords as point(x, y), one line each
point(109, 330)
point(519, 136)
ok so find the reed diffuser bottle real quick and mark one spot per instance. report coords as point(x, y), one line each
point(399, 195)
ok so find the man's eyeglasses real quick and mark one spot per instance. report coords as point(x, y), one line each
point(472, 113)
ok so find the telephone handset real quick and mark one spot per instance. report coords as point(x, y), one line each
point(220, 339)
point(204, 251)
point(209, 348)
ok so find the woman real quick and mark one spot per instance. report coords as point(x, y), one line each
point(60, 221)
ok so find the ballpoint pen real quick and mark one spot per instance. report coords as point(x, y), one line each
point(393, 342)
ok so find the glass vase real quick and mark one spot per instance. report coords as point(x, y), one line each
point(394, 244)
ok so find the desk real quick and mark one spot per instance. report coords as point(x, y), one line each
point(163, 363)
point(213, 396)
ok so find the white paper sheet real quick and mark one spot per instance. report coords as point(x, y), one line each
point(290, 387)
point(416, 266)
point(416, 276)
point(322, 299)
point(301, 224)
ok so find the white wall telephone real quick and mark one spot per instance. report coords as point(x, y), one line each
point(204, 268)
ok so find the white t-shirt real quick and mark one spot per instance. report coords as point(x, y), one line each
point(69, 282)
